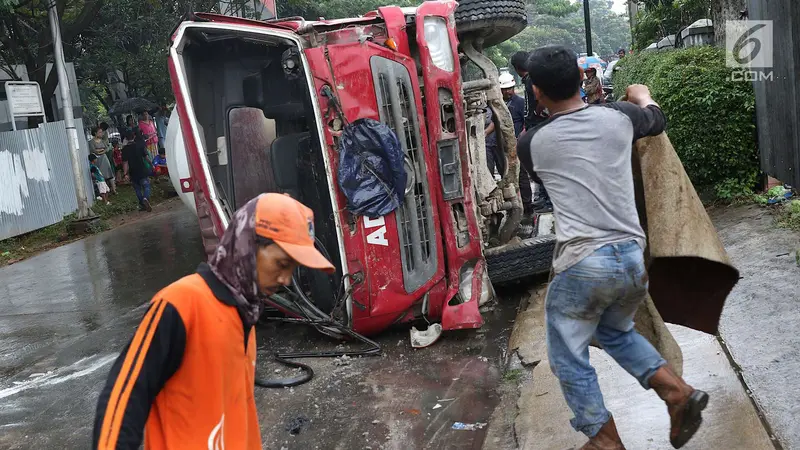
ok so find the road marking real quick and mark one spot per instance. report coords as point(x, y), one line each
point(78, 369)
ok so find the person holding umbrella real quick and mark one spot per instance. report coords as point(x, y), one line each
point(592, 87)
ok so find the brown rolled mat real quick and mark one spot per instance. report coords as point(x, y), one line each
point(690, 272)
point(651, 326)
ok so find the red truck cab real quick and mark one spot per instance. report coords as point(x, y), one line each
point(262, 107)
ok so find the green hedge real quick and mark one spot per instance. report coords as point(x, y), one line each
point(711, 119)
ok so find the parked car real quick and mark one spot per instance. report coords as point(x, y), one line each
point(262, 107)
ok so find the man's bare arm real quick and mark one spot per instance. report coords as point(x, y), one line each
point(639, 94)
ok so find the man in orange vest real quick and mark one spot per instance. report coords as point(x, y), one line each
point(186, 379)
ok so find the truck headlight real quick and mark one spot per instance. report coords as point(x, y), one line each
point(438, 40)
point(466, 276)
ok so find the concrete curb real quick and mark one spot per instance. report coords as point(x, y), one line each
point(540, 419)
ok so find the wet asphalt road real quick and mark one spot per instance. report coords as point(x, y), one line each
point(66, 313)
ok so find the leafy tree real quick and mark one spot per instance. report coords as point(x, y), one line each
point(25, 37)
point(561, 22)
point(132, 38)
point(661, 18)
point(722, 10)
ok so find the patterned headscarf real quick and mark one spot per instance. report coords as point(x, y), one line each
point(234, 262)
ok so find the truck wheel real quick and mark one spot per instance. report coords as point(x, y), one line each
point(494, 20)
point(530, 257)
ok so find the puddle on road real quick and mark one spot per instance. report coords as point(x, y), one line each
point(403, 399)
point(54, 303)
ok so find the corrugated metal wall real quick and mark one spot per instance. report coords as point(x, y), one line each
point(778, 101)
point(36, 180)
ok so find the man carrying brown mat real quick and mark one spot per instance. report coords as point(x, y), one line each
point(600, 276)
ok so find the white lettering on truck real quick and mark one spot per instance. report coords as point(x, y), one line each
point(377, 237)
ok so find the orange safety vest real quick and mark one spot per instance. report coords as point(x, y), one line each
point(186, 379)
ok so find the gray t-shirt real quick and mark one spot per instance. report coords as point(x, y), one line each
point(583, 158)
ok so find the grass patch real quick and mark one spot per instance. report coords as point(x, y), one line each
point(513, 375)
point(22, 246)
point(125, 202)
point(788, 216)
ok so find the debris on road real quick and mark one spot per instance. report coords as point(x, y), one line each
point(468, 426)
point(295, 426)
point(425, 338)
point(343, 360)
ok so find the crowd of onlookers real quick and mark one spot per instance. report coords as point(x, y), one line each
point(528, 113)
point(134, 155)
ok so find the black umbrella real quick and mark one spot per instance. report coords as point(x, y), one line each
point(135, 104)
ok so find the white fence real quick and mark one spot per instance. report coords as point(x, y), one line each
point(36, 180)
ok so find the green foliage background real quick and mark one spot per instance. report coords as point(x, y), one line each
point(711, 119)
point(561, 22)
point(660, 18)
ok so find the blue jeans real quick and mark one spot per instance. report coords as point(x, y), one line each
point(598, 297)
point(142, 188)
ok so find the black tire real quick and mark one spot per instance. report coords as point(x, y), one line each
point(495, 21)
point(530, 257)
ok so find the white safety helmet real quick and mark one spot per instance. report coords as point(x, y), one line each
point(506, 80)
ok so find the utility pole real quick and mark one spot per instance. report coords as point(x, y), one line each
point(633, 13)
point(588, 21)
point(69, 119)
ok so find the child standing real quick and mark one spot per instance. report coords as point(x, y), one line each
point(116, 154)
point(98, 178)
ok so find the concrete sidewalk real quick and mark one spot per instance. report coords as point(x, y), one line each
point(542, 418)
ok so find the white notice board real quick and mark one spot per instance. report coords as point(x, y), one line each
point(24, 99)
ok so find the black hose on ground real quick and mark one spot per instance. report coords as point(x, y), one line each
point(374, 349)
point(302, 305)
point(287, 382)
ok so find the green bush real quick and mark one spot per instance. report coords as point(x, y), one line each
point(789, 217)
point(711, 119)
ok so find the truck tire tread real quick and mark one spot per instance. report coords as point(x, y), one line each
point(514, 261)
point(495, 21)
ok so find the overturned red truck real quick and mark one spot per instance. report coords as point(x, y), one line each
point(262, 105)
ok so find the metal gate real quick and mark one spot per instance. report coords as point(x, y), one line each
point(778, 100)
point(36, 180)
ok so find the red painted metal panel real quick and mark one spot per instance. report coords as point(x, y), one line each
point(384, 294)
point(436, 78)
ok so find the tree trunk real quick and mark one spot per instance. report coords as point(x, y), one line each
point(722, 10)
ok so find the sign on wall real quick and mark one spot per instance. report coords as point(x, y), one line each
point(24, 100)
